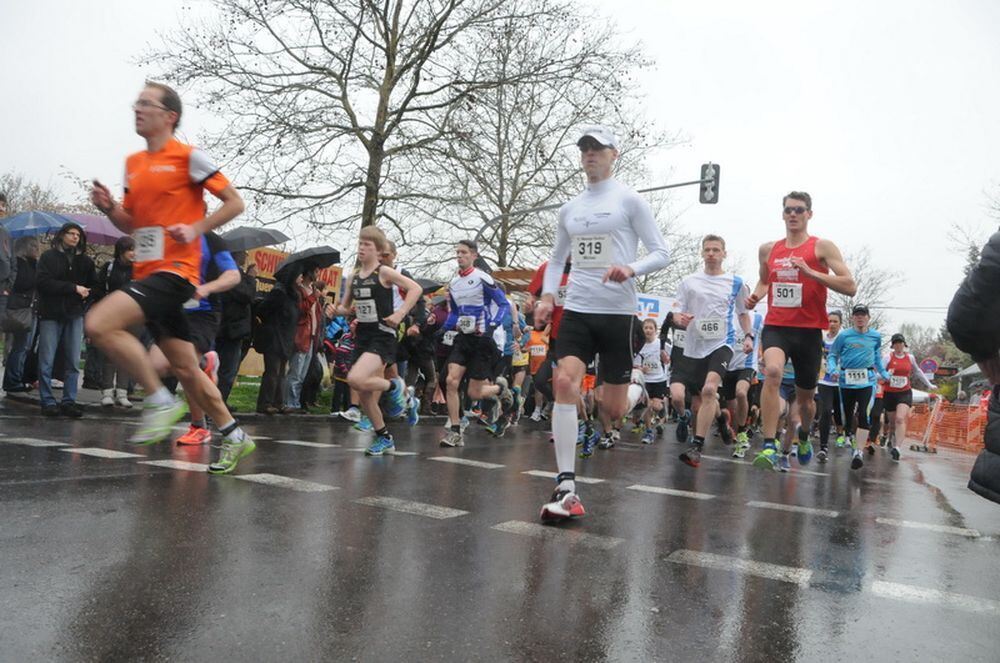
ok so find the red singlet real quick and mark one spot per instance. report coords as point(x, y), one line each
point(900, 368)
point(793, 300)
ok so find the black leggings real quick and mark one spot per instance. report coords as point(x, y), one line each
point(829, 408)
point(860, 400)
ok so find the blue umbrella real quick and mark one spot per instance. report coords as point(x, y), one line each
point(34, 223)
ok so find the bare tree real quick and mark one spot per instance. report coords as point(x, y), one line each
point(514, 147)
point(323, 98)
point(875, 286)
point(24, 195)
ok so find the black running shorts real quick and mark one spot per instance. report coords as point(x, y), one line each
point(803, 346)
point(698, 369)
point(731, 379)
point(161, 296)
point(479, 355)
point(892, 399)
point(656, 390)
point(584, 335)
point(376, 342)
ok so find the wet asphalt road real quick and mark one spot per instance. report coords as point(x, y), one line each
point(111, 559)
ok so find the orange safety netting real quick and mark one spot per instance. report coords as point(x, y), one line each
point(947, 425)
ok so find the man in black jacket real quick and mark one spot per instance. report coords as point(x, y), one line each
point(235, 327)
point(974, 324)
point(65, 276)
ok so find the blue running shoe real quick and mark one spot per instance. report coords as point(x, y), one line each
point(381, 445)
point(397, 399)
point(784, 463)
point(682, 426)
point(647, 436)
point(413, 412)
point(767, 458)
point(365, 425)
point(805, 447)
point(580, 434)
point(589, 444)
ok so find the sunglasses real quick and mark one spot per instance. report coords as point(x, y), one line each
point(796, 210)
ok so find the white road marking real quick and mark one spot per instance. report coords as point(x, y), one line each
point(387, 453)
point(466, 461)
point(409, 506)
point(827, 513)
point(746, 463)
point(285, 482)
point(559, 534)
point(33, 442)
point(553, 475)
point(100, 453)
point(672, 491)
point(706, 560)
point(924, 595)
point(300, 443)
point(945, 529)
point(176, 465)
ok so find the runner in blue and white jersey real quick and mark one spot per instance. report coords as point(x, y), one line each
point(477, 307)
point(736, 386)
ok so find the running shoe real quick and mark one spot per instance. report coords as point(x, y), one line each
point(870, 448)
point(647, 436)
point(536, 416)
point(212, 366)
point(857, 462)
point(692, 456)
point(158, 422)
point(616, 435)
point(500, 427)
point(506, 396)
point(453, 439)
point(821, 456)
point(413, 412)
point(767, 458)
point(397, 399)
point(725, 430)
point(381, 445)
point(637, 427)
point(195, 435)
point(350, 414)
point(564, 504)
point(659, 430)
point(682, 426)
point(805, 447)
point(793, 451)
point(894, 452)
point(581, 433)
point(233, 450)
point(840, 441)
point(589, 442)
point(741, 448)
point(364, 425)
point(607, 442)
point(784, 463)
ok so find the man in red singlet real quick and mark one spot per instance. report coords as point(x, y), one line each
point(795, 275)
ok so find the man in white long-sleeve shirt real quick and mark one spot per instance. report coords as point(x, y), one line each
point(601, 228)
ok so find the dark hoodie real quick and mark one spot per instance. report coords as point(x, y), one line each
point(59, 272)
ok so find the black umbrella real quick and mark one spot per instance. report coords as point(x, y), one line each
point(246, 238)
point(428, 285)
point(318, 257)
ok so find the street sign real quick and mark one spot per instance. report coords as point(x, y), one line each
point(709, 189)
point(946, 371)
point(929, 366)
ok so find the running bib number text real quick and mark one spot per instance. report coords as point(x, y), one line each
point(711, 329)
point(538, 350)
point(592, 250)
point(561, 296)
point(679, 335)
point(898, 381)
point(856, 376)
point(365, 310)
point(786, 295)
point(148, 244)
point(467, 324)
point(449, 337)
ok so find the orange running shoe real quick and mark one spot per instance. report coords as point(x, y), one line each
point(195, 435)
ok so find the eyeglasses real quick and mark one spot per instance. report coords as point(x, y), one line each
point(146, 103)
point(796, 210)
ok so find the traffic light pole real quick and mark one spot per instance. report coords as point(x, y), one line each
point(542, 208)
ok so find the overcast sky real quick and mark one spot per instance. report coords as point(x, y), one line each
point(886, 112)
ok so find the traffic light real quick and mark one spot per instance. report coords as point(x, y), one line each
point(709, 189)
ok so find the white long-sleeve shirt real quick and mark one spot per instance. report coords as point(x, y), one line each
point(602, 227)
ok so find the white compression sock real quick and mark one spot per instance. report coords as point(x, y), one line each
point(564, 431)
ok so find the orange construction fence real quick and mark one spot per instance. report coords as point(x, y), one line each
point(948, 425)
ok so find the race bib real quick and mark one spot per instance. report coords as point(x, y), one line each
point(148, 244)
point(652, 364)
point(856, 376)
point(561, 296)
point(786, 295)
point(364, 310)
point(467, 324)
point(679, 336)
point(449, 337)
point(537, 350)
point(899, 381)
point(712, 329)
point(592, 251)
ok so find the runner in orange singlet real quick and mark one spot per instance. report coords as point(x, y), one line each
point(164, 209)
point(795, 275)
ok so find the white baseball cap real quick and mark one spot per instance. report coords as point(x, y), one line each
point(601, 134)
